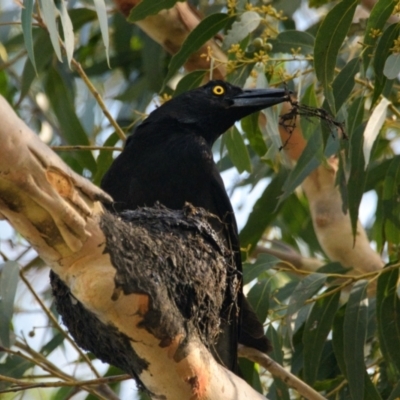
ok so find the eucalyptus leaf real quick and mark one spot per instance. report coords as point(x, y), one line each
point(392, 66)
point(50, 14)
point(149, 7)
point(330, 36)
point(378, 16)
point(101, 10)
point(246, 24)
point(8, 285)
point(354, 334)
point(206, 29)
point(26, 23)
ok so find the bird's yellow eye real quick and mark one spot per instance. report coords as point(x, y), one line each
point(218, 90)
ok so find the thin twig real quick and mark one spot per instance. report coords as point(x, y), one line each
point(83, 148)
point(57, 325)
point(29, 385)
point(278, 371)
point(98, 98)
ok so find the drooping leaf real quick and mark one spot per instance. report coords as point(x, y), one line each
point(380, 13)
point(381, 54)
point(309, 159)
point(237, 150)
point(316, 330)
point(344, 83)
point(105, 159)
point(354, 334)
point(392, 66)
point(309, 126)
point(388, 317)
point(101, 10)
point(330, 37)
point(52, 344)
point(70, 126)
point(254, 136)
point(374, 125)
point(207, 28)
point(149, 7)
point(246, 24)
point(263, 212)
point(254, 270)
point(26, 22)
point(390, 201)
point(292, 41)
point(49, 14)
point(43, 52)
point(305, 289)
point(8, 285)
point(68, 30)
point(258, 297)
point(189, 81)
point(277, 355)
point(395, 394)
point(338, 338)
point(355, 115)
point(356, 182)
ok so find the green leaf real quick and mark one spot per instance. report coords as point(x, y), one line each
point(344, 83)
point(68, 30)
point(330, 37)
point(291, 41)
point(189, 82)
point(374, 125)
point(258, 297)
point(105, 159)
point(246, 24)
point(253, 134)
point(395, 392)
point(26, 22)
point(392, 66)
point(81, 16)
point(52, 344)
point(277, 355)
point(237, 150)
point(355, 115)
point(354, 334)
point(207, 29)
point(305, 289)
point(316, 330)
point(149, 7)
point(101, 10)
point(338, 338)
point(388, 317)
point(70, 126)
point(49, 14)
point(309, 159)
point(264, 263)
point(381, 54)
point(390, 201)
point(380, 13)
point(308, 127)
point(43, 51)
point(357, 178)
point(263, 213)
point(8, 286)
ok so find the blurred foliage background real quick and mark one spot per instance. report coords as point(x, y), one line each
point(333, 324)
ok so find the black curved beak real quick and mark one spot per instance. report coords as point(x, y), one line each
point(260, 98)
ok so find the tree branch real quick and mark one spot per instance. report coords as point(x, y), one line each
point(59, 213)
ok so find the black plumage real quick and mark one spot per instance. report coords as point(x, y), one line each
point(168, 159)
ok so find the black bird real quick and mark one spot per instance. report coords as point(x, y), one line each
point(168, 159)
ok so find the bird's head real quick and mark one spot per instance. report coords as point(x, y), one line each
point(213, 108)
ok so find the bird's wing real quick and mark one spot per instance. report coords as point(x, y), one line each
point(250, 330)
